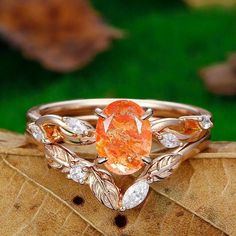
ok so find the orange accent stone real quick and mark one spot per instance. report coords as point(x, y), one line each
point(52, 132)
point(191, 126)
point(123, 137)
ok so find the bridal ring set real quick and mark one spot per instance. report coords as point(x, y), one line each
point(144, 138)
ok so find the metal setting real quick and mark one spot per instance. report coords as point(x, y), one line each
point(147, 160)
point(101, 160)
point(99, 112)
point(147, 114)
point(52, 126)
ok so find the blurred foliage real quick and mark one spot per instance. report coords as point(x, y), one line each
point(164, 47)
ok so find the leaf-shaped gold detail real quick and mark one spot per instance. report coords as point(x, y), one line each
point(165, 165)
point(104, 188)
point(162, 167)
point(60, 157)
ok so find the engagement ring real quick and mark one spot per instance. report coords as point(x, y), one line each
point(144, 138)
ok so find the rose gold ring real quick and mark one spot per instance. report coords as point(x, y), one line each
point(147, 137)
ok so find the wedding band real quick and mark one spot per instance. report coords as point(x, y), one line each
point(148, 138)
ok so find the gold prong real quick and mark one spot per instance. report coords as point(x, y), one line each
point(148, 113)
point(99, 112)
point(150, 180)
point(101, 160)
point(147, 160)
point(122, 208)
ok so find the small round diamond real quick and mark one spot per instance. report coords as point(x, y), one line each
point(76, 125)
point(169, 140)
point(135, 194)
point(36, 132)
point(206, 122)
point(78, 174)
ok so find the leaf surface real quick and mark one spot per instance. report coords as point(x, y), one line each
point(62, 35)
point(198, 199)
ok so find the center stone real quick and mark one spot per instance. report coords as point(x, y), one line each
point(123, 137)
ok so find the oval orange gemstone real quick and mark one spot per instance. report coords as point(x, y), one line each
point(123, 137)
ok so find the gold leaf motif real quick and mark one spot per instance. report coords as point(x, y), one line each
point(162, 167)
point(61, 158)
point(58, 156)
point(104, 188)
point(165, 165)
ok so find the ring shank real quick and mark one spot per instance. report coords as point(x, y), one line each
point(84, 109)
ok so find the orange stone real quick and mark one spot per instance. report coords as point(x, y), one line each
point(123, 137)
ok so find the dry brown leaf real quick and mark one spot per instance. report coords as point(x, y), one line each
point(62, 35)
point(203, 3)
point(199, 199)
point(219, 79)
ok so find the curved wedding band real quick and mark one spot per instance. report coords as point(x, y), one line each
point(147, 137)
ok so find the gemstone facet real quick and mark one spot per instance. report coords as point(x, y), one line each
point(76, 125)
point(123, 137)
point(135, 194)
point(206, 122)
point(36, 132)
point(78, 174)
point(169, 140)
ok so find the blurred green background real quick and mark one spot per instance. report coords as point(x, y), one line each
point(164, 47)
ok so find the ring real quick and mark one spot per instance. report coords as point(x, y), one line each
point(145, 138)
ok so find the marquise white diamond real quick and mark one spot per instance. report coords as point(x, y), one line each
point(206, 122)
point(135, 194)
point(169, 140)
point(36, 132)
point(78, 174)
point(76, 125)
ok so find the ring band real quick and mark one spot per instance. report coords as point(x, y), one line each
point(147, 137)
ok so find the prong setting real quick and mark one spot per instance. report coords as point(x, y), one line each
point(122, 208)
point(148, 113)
point(147, 160)
point(99, 112)
point(101, 160)
point(150, 180)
